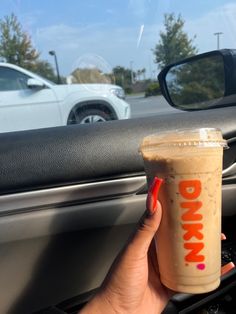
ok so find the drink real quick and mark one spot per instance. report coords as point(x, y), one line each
point(188, 240)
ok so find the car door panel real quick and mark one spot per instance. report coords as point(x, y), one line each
point(47, 249)
point(85, 153)
point(70, 199)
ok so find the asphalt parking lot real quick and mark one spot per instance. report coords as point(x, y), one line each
point(142, 106)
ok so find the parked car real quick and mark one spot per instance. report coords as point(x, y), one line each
point(28, 101)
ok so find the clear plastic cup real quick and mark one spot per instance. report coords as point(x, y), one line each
point(188, 241)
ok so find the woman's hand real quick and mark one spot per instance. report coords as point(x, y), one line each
point(226, 268)
point(133, 284)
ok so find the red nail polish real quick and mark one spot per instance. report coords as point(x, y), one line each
point(152, 197)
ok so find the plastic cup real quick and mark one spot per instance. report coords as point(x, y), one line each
point(188, 241)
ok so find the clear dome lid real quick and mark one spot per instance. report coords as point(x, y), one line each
point(203, 137)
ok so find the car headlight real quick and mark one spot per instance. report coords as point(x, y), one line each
point(118, 92)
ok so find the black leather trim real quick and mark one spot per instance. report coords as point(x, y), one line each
point(192, 303)
point(86, 153)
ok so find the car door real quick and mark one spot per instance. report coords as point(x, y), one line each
point(23, 108)
point(71, 197)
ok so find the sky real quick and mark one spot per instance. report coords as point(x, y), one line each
point(107, 33)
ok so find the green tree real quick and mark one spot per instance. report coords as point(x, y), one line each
point(15, 44)
point(16, 48)
point(144, 74)
point(138, 73)
point(197, 82)
point(174, 43)
point(44, 69)
point(122, 76)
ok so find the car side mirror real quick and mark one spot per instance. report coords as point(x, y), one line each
point(204, 81)
point(35, 84)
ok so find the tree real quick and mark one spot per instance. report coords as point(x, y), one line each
point(15, 44)
point(174, 43)
point(138, 73)
point(44, 69)
point(198, 82)
point(16, 47)
point(122, 76)
point(144, 73)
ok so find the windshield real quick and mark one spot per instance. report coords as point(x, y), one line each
point(124, 43)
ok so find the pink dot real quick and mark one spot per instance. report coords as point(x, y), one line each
point(201, 266)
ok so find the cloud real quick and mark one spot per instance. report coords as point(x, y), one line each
point(118, 46)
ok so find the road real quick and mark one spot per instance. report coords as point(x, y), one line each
point(141, 106)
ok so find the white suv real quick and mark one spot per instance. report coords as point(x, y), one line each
point(28, 101)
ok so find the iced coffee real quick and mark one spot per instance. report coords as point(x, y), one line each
point(188, 240)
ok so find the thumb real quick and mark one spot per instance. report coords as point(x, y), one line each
point(150, 222)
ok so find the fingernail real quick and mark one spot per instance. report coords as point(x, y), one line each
point(223, 237)
point(226, 268)
point(152, 196)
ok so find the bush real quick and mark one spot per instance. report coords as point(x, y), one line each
point(128, 90)
point(153, 89)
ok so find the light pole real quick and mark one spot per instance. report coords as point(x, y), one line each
point(53, 53)
point(217, 34)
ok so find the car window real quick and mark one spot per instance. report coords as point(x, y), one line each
point(11, 80)
point(103, 57)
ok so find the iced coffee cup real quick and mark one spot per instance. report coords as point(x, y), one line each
point(188, 241)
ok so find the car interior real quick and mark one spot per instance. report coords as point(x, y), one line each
point(70, 198)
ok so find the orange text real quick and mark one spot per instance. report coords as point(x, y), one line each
point(190, 191)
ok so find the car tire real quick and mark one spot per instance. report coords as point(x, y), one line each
point(91, 116)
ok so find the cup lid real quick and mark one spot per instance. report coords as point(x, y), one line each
point(202, 137)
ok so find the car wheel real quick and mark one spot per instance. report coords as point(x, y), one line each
point(91, 116)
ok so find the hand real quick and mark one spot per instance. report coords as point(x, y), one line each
point(133, 284)
point(226, 268)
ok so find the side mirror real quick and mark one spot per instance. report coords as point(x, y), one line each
point(204, 81)
point(35, 84)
